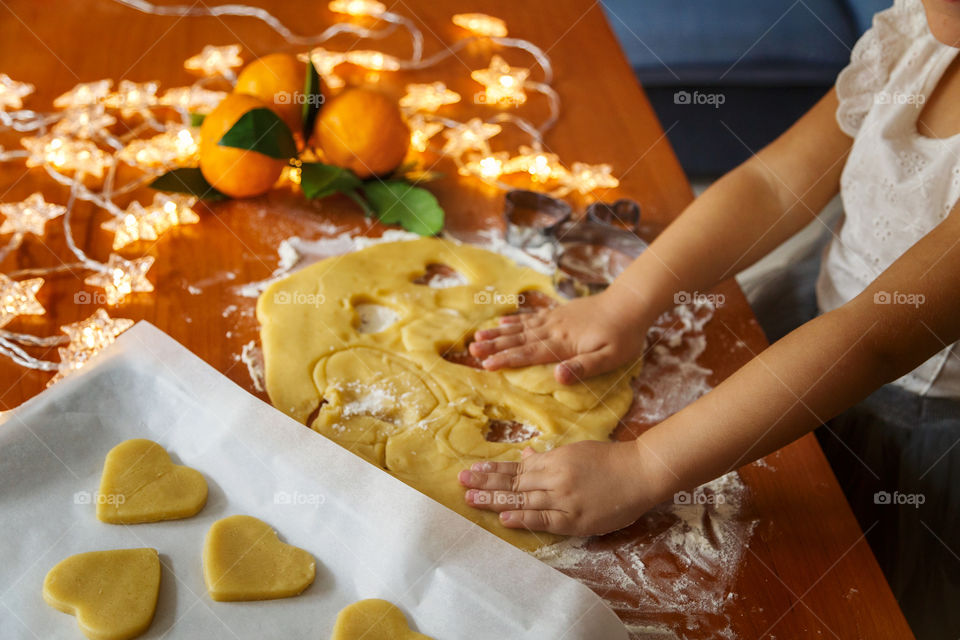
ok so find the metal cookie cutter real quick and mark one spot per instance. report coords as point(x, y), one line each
point(623, 213)
point(533, 218)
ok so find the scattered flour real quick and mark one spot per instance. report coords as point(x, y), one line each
point(374, 318)
point(668, 575)
point(252, 356)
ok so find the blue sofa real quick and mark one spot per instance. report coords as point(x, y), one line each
point(727, 77)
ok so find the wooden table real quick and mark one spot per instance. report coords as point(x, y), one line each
point(808, 571)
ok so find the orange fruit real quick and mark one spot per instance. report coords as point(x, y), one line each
point(277, 79)
point(236, 172)
point(364, 131)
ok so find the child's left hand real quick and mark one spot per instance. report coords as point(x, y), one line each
point(581, 489)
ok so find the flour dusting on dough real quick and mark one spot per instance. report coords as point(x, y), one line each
point(374, 318)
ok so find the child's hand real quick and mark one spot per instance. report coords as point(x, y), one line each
point(579, 489)
point(587, 336)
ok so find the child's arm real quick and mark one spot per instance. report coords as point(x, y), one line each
point(738, 220)
point(812, 374)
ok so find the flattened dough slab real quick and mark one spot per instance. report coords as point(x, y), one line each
point(390, 396)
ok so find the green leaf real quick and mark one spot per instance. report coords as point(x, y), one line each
point(318, 180)
point(396, 201)
point(196, 119)
point(187, 180)
point(313, 99)
point(263, 131)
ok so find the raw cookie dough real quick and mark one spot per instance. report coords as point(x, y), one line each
point(113, 594)
point(243, 559)
point(389, 395)
point(373, 620)
point(141, 484)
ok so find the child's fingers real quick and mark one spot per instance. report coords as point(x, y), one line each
point(493, 466)
point(529, 320)
point(488, 347)
point(540, 352)
point(524, 481)
point(508, 500)
point(495, 332)
point(583, 366)
point(544, 520)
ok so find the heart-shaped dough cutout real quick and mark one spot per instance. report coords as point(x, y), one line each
point(243, 559)
point(141, 484)
point(373, 620)
point(113, 594)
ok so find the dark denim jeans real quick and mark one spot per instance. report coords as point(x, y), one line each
point(897, 457)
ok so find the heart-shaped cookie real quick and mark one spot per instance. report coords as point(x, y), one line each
point(373, 620)
point(243, 559)
point(141, 484)
point(113, 594)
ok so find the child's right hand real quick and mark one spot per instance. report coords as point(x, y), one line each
point(587, 336)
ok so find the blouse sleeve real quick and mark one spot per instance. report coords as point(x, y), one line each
point(873, 59)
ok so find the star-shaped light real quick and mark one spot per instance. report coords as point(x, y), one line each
point(19, 298)
point(588, 177)
point(84, 95)
point(421, 130)
point(87, 338)
point(428, 97)
point(133, 98)
point(539, 165)
point(29, 216)
point(81, 156)
point(488, 167)
point(194, 99)
point(357, 7)
point(121, 277)
point(179, 146)
point(470, 136)
point(215, 61)
point(481, 24)
point(12, 92)
point(136, 223)
point(173, 210)
point(325, 62)
point(84, 122)
point(502, 83)
point(373, 60)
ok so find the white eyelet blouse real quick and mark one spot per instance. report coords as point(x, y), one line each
point(897, 184)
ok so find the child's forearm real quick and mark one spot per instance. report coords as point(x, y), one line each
point(906, 316)
point(742, 217)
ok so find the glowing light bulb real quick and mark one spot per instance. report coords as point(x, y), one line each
point(325, 62)
point(87, 338)
point(84, 122)
point(132, 98)
point(502, 83)
point(19, 299)
point(428, 97)
point(193, 99)
point(81, 156)
point(357, 7)
point(421, 130)
point(470, 136)
point(539, 165)
point(121, 277)
point(488, 167)
point(84, 95)
point(29, 216)
point(178, 146)
point(586, 177)
point(215, 61)
point(12, 92)
point(481, 24)
point(373, 60)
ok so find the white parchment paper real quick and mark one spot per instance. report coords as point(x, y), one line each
point(372, 536)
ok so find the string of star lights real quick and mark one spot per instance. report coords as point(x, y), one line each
point(76, 147)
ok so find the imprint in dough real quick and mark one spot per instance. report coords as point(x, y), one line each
point(373, 620)
point(141, 484)
point(392, 397)
point(113, 594)
point(243, 559)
